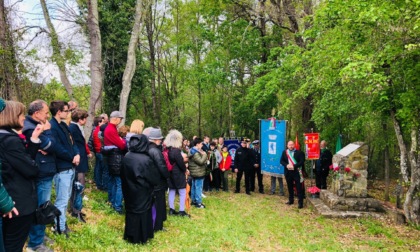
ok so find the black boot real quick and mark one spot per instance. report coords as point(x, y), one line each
point(172, 212)
point(184, 214)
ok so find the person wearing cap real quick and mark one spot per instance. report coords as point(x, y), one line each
point(114, 150)
point(257, 168)
point(243, 163)
point(155, 152)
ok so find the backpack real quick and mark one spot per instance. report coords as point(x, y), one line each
point(165, 153)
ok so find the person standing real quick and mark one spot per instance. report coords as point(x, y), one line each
point(155, 152)
point(95, 146)
point(139, 176)
point(38, 113)
point(114, 150)
point(257, 168)
point(322, 166)
point(19, 175)
point(273, 185)
point(215, 158)
point(197, 161)
point(177, 177)
point(78, 120)
point(243, 163)
point(67, 157)
point(293, 161)
point(224, 167)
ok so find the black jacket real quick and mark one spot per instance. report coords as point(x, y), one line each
point(46, 163)
point(298, 155)
point(65, 148)
point(19, 171)
point(257, 157)
point(177, 179)
point(80, 142)
point(156, 155)
point(139, 176)
point(324, 161)
point(244, 159)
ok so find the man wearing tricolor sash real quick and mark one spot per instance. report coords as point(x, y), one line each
point(293, 161)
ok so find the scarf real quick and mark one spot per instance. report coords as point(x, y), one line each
point(292, 161)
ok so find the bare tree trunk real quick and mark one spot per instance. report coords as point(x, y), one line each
point(130, 68)
point(8, 74)
point(386, 165)
point(412, 202)
point(403, 148)
point(149, 22)
point(57, 57)
point(96, 68)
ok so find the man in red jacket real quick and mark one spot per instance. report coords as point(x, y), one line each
point(114, 148)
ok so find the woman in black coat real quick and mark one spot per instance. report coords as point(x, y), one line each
point(78, 120)
point(177, 178)
point(139, 176)
point(19, 174)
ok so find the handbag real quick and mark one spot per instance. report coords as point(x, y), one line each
point(46, 213)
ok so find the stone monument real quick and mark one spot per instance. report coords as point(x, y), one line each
point(347, 194)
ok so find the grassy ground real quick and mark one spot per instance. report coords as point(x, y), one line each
point(238, 222)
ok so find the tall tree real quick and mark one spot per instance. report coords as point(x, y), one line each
point(141, 8)
point(57, 54)
point(8, 71)
point(96, 69)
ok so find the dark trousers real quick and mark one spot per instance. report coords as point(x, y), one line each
point(206, 183)
point(216, 178)
point(257, 172)
point(247, 180)
point(160, 204)
point(16, 231)
point(294, 177)
point(321, 179)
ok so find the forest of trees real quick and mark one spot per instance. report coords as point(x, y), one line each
point(339, 67)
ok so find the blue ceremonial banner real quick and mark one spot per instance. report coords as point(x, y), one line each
point(232, 145)
point(273, 143)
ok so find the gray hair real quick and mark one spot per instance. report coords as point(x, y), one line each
point(173, 139)
point(35, 106)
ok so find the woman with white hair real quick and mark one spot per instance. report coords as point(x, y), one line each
point(177, 180)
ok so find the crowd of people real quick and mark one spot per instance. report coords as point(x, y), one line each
point(133, 164)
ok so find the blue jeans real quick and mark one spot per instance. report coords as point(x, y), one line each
point(37, 232)
point(197, 189)
point(63, 185)
point(116, 195)
point(101, 175)
point(78, 189)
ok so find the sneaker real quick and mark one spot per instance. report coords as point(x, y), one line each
point(204, 196)
point(200, 206)
point(39, 248)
